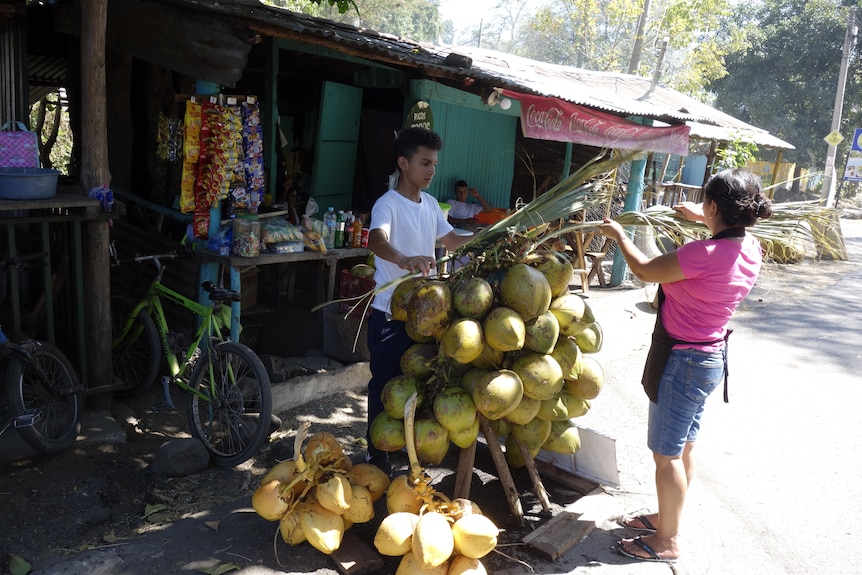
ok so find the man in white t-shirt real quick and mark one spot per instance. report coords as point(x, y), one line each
point(406, 223)
point(460, 208)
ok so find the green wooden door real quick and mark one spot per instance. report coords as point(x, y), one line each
point(336, 146)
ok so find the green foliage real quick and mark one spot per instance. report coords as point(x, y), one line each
point(785, 78)
point(418, 19)
point(735, 153)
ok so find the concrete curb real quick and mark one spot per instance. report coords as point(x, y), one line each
point(300, 390)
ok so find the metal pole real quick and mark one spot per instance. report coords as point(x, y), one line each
point(828, 191)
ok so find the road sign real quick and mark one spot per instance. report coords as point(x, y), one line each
point(834, 138)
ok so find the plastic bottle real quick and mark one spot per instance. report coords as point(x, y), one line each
point(329, 222)
point(339, 230)
point(356, 239)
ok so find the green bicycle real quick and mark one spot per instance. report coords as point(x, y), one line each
point(229, 396)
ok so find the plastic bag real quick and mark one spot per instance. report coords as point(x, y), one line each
point(276, 230)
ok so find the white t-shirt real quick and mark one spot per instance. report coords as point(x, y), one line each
point(462, 210)
point(413, 229)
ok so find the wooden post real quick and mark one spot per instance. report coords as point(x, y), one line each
point(94, 172)
point(502, 469)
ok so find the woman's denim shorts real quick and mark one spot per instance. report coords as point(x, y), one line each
point(689, 377)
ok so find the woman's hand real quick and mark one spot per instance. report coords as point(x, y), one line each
point(690, 211)
point(612, 229)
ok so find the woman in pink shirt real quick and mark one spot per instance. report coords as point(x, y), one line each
point(701, 284)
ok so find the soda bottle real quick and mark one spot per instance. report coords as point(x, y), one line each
point(329, 223)
point(357, 232)
point(348, 229)
point(339, 231)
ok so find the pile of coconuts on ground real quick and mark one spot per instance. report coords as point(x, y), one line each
point(502, 337)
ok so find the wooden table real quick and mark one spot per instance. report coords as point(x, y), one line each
point(235, 264)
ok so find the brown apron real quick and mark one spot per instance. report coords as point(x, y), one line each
point(662, 343)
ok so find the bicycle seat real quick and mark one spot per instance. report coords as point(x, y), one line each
point(219, 293)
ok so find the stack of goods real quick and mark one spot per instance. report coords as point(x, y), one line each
point(223, 158)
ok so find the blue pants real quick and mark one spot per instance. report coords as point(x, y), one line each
point(387, 342)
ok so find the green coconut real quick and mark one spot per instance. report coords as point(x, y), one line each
point(557, 270)
point(526, 411)
point(431, 438)
point(473, 297)
point(564, 438)
point(498, 393)
point(514, 457)
point(396, 392)
point(466, 437)
point(568, 355)
point(387, 433)
point(454, 408)
point(553, 409)
point(401, 297)
point(416, 361)
point(470, 378)
point(573, 313)
point(576, 406)
point(430, 308)
point(590, 381)
point(526, 290)
point(590, 340)
point(504, 329)
point(540, 373)
point(490, 358)
point(533, 433)
point(542, 333)
point(463, 340)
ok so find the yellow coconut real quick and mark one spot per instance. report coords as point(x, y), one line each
point(568, 355)
point(401, 497)
point(323, 529)
point(334, 493)
point(410, 565)
point(290, 526)
point(361, 509)
point(461, 565)
point(475, 536)
point(267, 501)
point(433, 541)
point(371, 477)
point(394, 536)
point(322, 448)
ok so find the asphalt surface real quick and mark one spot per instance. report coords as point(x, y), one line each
point(777, 485)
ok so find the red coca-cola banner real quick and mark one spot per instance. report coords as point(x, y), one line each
point(552, 119)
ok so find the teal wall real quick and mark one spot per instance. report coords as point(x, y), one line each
point(478, 142)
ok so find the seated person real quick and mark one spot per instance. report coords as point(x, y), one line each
point(460, 209)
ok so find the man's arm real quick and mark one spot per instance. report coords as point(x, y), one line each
point(378, 242)
point(486, 207)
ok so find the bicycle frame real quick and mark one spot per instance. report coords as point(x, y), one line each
point(152, 305)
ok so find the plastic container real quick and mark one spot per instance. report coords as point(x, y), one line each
point(329, 226)
point(28, 183)
point(246, 236)
point(286, 247)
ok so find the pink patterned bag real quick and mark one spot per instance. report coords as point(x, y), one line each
point(18, 148)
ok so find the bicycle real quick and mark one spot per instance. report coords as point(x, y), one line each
point(228, 388)
point(45, 401)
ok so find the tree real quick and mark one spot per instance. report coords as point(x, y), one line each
point(600, 35)
point(784, 80)
point(415, 19)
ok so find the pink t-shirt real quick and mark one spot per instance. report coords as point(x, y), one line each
point(719, 274)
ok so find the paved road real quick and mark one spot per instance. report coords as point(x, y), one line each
point(777, 491)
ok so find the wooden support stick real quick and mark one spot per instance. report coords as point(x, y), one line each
point(464, 475)
point(538, 486)
point(502, 469)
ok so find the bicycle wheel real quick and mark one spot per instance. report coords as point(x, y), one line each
point(136, 359)
point(48, 387)
point(234, 422)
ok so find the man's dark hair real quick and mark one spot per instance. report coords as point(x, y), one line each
point(408, 140)
point(460, 184)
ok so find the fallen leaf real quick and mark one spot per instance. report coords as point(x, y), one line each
point(212, 525)
point(18, 565)
point(150, 509)
point(220, 568)
point(110, 537)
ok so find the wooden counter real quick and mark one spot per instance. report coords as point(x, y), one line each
point(236, 263)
